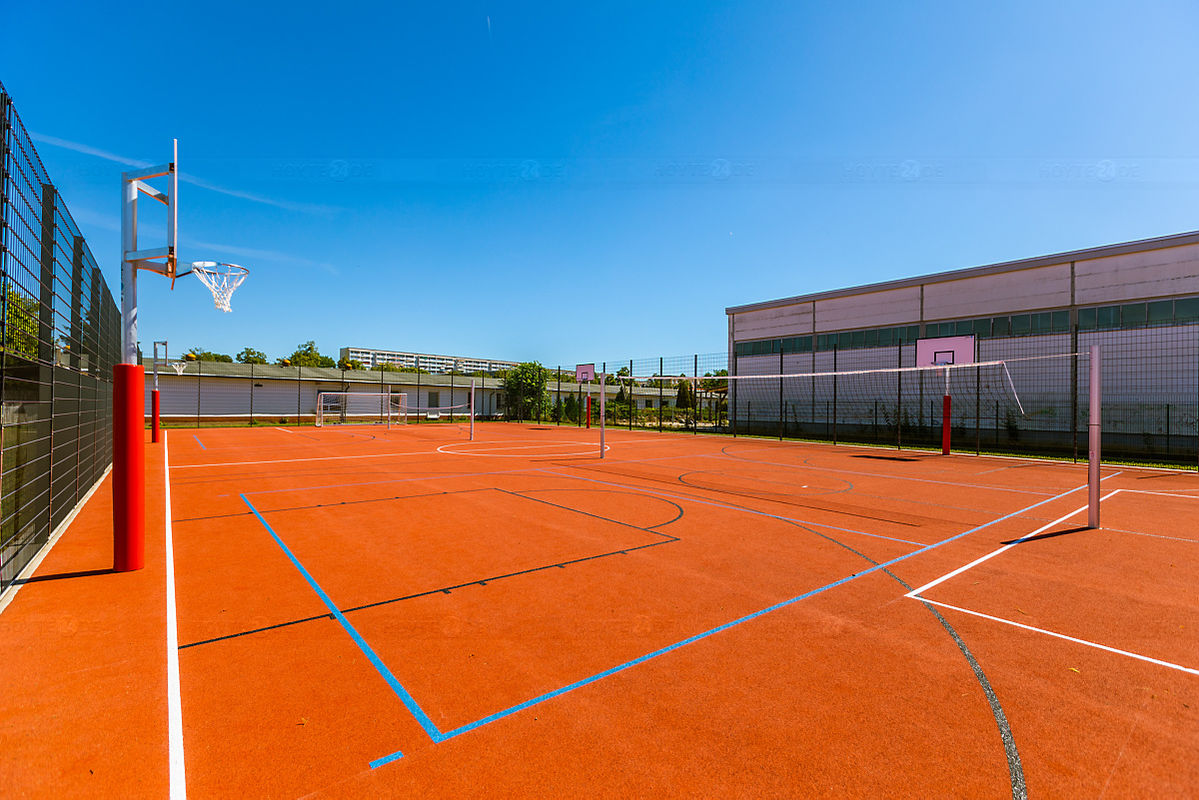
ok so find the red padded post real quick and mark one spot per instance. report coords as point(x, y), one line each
point(128, 468)
point(946, 404)
point(588, 411)
point(154, 415)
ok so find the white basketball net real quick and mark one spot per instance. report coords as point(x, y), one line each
point(179, 366)
point(221, 280)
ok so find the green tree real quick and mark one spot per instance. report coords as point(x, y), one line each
point(571, 408)
point(684, 397)
point(249, 355)
point(207, 355)
point(306, 355)
point(384, 366)
point(350, 363)
point(525, 386)
point(21, 324)
point(712, 381)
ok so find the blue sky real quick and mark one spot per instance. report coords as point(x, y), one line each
point(574, 182)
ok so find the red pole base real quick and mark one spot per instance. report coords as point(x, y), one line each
point(128, 468)
point(946, 404)
point(154, 413)
point(588, 411)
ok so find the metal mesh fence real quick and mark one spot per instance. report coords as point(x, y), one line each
point(1150, 380)
point(61, 337)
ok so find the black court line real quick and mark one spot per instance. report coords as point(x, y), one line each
point(598, 516)
point(1012, 755)
point(677, 517)
point(328, 505)
point(666, 539)
point(679, 479)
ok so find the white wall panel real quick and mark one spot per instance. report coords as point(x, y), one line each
point(770, 323)
point(986, 295)
point(1123, 278)
point(870, 310)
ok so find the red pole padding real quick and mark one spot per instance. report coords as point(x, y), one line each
point(946, 404)
point(128, 468)
point(154, 414)
point(588, 411)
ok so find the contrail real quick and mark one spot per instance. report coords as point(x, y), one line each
point(66, 144)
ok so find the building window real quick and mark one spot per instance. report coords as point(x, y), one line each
point(434, 399)
point(1161, 312)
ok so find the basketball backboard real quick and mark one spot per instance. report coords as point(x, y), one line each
point(945, 350)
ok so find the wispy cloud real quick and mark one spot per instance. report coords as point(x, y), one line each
point(86, 150)
point(286, 205)
point(251, 253)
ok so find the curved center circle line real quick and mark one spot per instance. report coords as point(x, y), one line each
point(588, 452)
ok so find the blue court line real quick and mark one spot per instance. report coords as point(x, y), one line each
point(395, 685)
point(197, 438)
point(699, 636)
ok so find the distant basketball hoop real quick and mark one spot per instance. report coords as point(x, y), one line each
point(179, 366)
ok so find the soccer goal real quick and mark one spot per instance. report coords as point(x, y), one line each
point(359, 408)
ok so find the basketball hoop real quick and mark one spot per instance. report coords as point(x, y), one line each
point(179, 366)
point(221, 279)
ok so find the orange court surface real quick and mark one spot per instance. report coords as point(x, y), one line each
point(360, 612)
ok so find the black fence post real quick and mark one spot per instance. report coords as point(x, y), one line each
point(834, 394)
point(977, 410)
point(251, 393)
point(781, 423)
point(899, 397)
point(661, 367)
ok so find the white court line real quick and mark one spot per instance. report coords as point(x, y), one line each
point(285, 430)
point(1056, 635)
point(590, 451)
point(490, 446)
point(915, 595)
point(294, 460)
point(1162, 494)
point(990, 555)
point(178, 772)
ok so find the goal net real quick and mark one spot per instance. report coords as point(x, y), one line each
point(359, 408)
point(406, 412)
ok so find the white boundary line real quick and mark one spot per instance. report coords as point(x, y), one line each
point(937, 581)
point(915, 593)
point(178, 772)
point(295, 460)
point(1056, 635)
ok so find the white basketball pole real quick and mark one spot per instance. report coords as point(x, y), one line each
point(1094, 429)
point(472, 409)
point(603, 416)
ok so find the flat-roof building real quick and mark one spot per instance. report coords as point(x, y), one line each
point(430, 362)
point(1139, 300)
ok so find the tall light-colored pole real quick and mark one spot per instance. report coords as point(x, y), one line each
point(1095, 432)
